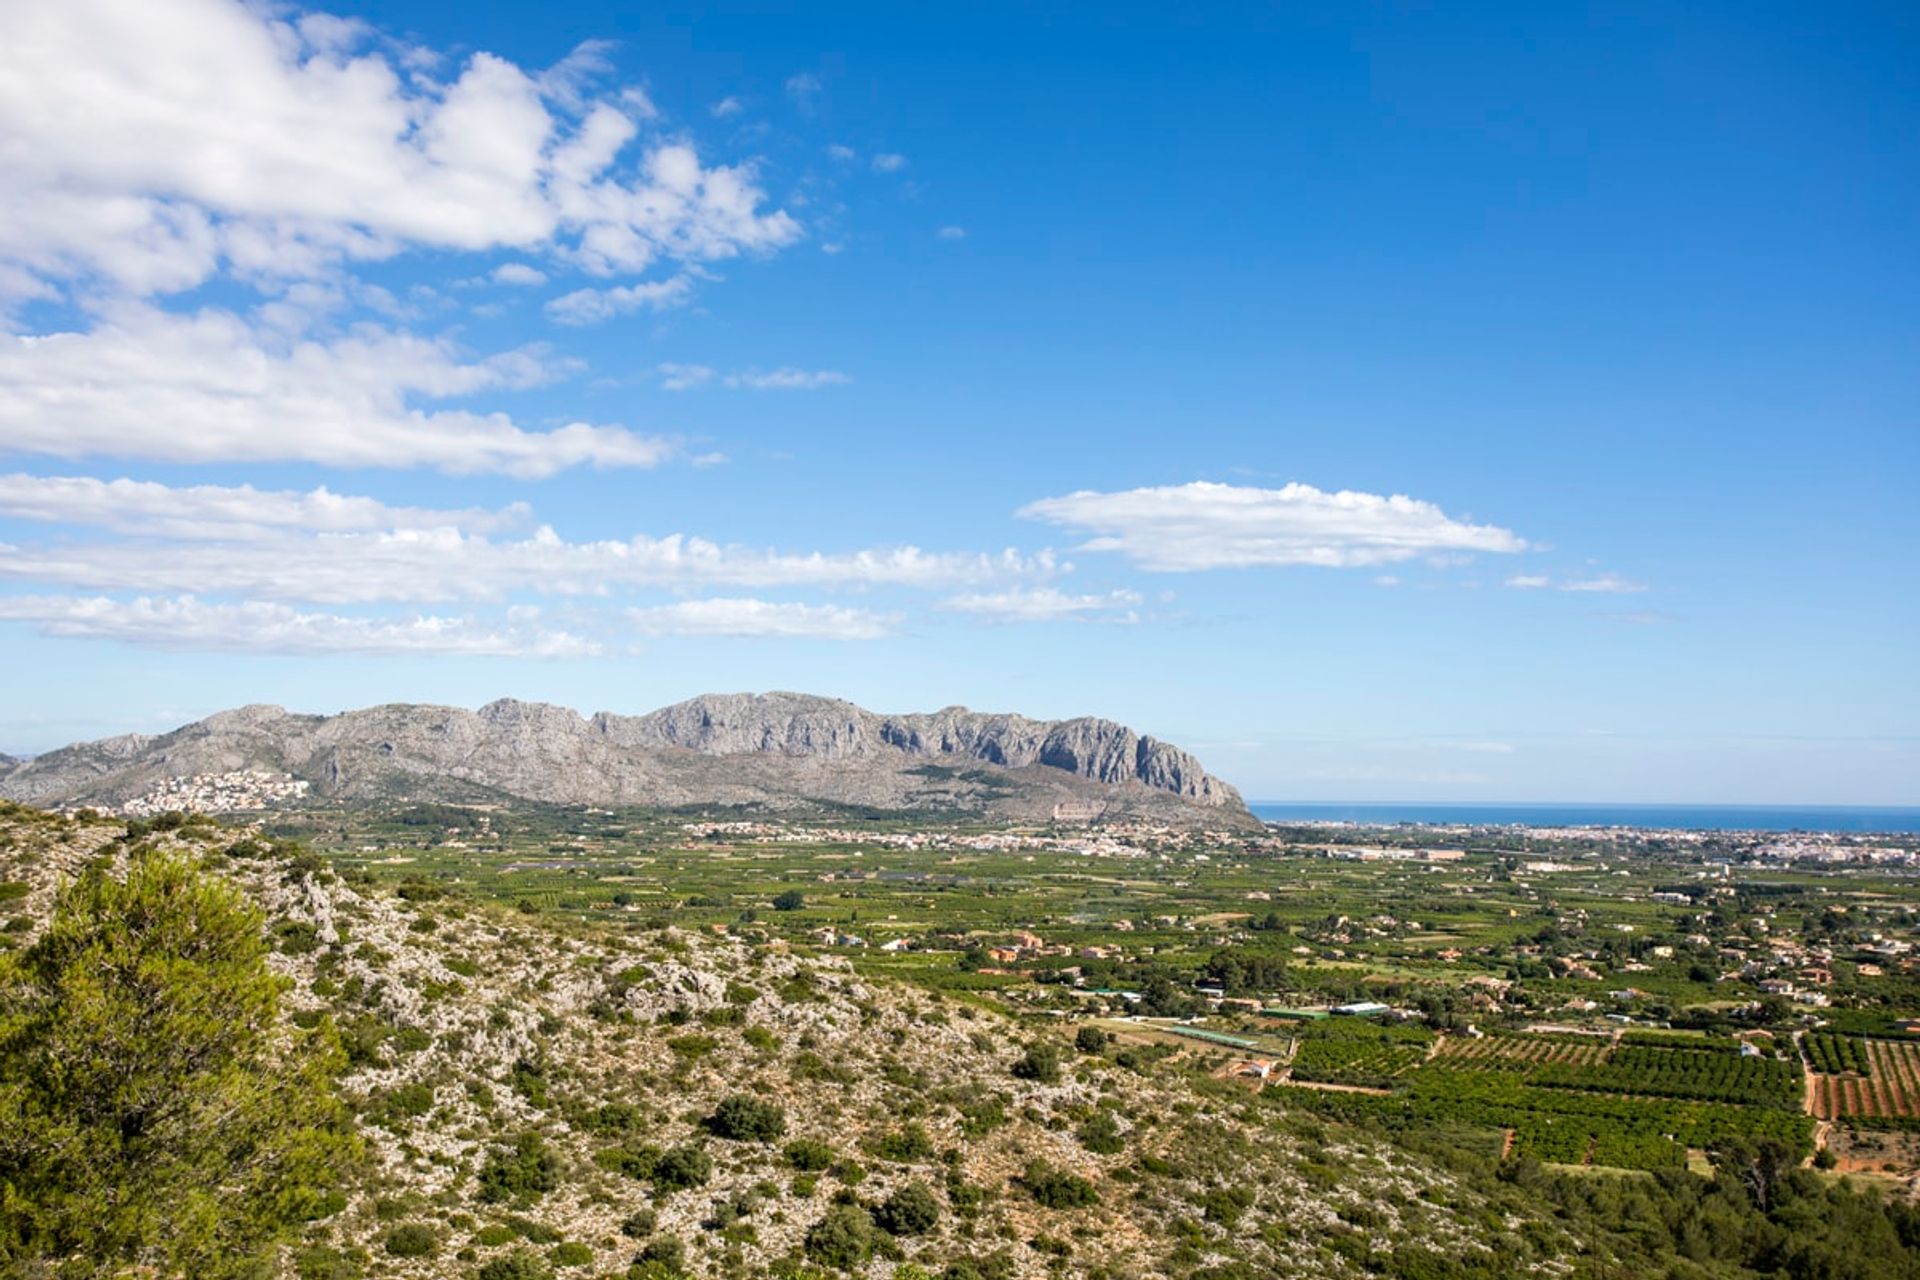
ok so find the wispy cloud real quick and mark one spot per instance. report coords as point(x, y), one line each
point(520, 274)
point(804, 87)
point(592, 306)
point(1211, 526)
point(227, 511)
point(1600, 584)
point(889, 162)
point(952, 233)
point(185, 623)
point(1045, 604)
point(687, 377)
point(751, 618)
point(789, 379)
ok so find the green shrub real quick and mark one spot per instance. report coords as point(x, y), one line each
point(809, 1155)
point(521, 1264)
point(911, 1211)
point(527, 1169)
point(571, 1254)
point(1101, 1134)
point(747, 1119)
point(843, 1239)
point(1041, 1062)
point(1057, 1189)
point(680, 1168)
point(412, 1240)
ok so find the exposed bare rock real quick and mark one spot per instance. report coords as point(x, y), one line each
point(776, 750)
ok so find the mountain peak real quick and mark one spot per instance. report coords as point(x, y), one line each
point(774, 750)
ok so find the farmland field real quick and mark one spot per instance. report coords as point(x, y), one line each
point(1889, 1090)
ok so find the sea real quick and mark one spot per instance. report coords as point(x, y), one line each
point(1676, 817)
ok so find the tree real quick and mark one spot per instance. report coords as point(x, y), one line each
point(843, 1239)
point(1090, 1040)
point(1041, 1062)
point(747, 1119)
point(791, 900)
point(154, 1110)
point(911, 1211)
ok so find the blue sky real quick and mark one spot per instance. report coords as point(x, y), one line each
point(1385, 402)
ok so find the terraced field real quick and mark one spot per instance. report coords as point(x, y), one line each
point(1888, 1090)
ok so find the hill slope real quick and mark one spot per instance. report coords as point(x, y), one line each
point(773, 750)
point(525, 1082)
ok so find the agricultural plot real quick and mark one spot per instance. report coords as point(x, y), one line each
point(1521, 1053)
point(1836, 1054)
point(1706, 1071)
point(1562, 1126)
point(1886, 1095)
point(1359, 1053)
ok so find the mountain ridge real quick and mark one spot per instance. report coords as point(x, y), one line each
point(772, 750)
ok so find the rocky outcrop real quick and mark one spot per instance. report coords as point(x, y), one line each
point(771, 750)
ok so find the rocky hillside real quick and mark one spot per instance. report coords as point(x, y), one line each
point(542, 1099)
point(771, 750)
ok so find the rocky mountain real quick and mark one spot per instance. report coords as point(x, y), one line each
point(776, 750)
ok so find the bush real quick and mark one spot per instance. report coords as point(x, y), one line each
point(1101, 1134)
point(747, 1119)
point(1041, 1062)
point(1057, 1189)
point(571, 1254)
point(791, 900)
point(809, 1155)
point(663, 1257)
point(911, 1211)
point(527, 1169)
point(412, 1240)
point(680, 1168)
point(1090, 1040)
point(843, 1239)
point(907, 1145)
point(521, 1264)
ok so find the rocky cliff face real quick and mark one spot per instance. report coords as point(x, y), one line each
point(773, 750)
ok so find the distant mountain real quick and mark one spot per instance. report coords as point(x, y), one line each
point(775, 751)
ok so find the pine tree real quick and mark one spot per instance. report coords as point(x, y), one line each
point(154, 1109)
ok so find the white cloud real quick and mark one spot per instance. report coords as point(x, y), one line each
point(1603, 584)
point(687, 377)
point(841, 152)
point(789, 379)
point(803, 87)
point(209, 387)
point(684, 377)
point(952, 233)
point(727, 108)
point(185, 623)
point(1044, 604)
point(150, 145)
point(591, 306)
point(439, 564)
point(225, 511)
point(1210, 526)
point(889, 162)
point(518, 273)
point(761, 618)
